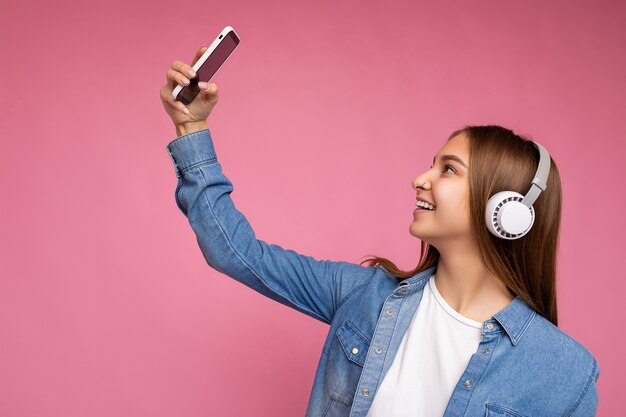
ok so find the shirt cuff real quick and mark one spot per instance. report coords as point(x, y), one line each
point(190, 150)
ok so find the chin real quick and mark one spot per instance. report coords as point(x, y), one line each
point(417, 234)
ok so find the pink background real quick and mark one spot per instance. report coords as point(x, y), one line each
point(328, 110)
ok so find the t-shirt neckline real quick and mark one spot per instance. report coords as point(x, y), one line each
point(455, 314)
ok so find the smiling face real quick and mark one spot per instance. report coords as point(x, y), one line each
point(446, 186)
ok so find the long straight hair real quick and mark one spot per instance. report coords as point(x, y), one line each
point(501, 160)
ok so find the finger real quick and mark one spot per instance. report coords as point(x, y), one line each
point(198, 54)
point(176, 78)
point(166, 96)
point(165, 91)
point(178, 105)
point(184, 69)
point(209, 88)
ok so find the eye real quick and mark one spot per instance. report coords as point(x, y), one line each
point(445, 168)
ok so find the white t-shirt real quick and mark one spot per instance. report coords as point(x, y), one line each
point(432, 356)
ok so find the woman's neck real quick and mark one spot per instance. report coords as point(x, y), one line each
point(469, 288)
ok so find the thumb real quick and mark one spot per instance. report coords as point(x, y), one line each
point(209, 94)
point(211, 89)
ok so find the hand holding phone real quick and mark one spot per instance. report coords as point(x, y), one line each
point(193, 88)
point(208, 64)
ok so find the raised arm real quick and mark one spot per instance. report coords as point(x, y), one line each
point(229, 245)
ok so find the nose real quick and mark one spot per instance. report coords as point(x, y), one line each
point(420, 182)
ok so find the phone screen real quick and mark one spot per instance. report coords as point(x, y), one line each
point(209, 67)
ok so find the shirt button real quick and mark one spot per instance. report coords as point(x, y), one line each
point(404, 290)
point(355, 351)
point(389, 313)
point(468, 383)
point(490, 326)
point(366, 392)
point(378, 350)
point(485, 350)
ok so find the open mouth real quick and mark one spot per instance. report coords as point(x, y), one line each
point(422, 205)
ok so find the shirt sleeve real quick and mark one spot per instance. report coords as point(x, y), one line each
point(589, 400)
point(229, 245)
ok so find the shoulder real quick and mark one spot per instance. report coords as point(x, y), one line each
point(556, 334)
point(554, 366)
point(562, 350)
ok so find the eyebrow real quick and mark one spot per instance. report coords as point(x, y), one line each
point(451, 158)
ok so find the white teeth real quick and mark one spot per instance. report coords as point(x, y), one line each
point(425, 205)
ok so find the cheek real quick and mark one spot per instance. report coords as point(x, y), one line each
point(452, 200)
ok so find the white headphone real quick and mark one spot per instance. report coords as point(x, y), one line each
point(509, 215)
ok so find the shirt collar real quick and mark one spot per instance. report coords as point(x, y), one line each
point(514, 318)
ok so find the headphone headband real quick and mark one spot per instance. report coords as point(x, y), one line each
point(540, 181)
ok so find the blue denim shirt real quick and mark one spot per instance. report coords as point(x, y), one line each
point(524, 365)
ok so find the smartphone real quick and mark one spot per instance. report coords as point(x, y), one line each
point(208, 64)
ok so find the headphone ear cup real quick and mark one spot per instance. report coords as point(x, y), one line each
point(506, 217)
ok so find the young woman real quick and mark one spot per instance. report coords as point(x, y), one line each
point(471, 331)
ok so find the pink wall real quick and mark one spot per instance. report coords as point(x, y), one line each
point(327, 112)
